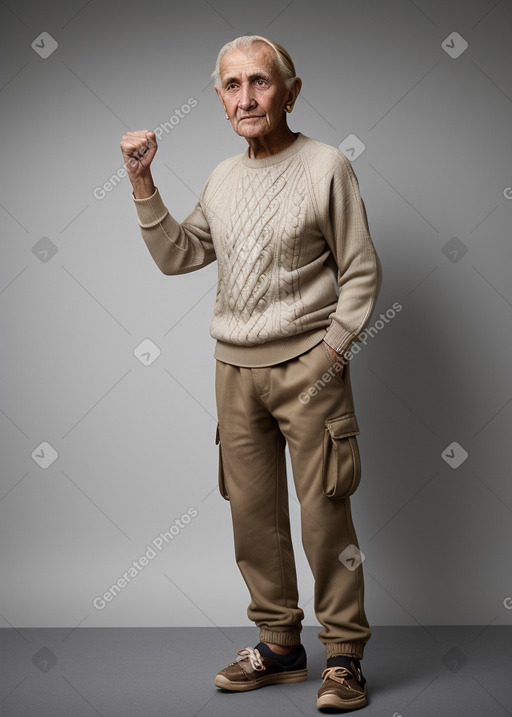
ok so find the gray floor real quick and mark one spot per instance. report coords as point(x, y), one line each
point(155, 672)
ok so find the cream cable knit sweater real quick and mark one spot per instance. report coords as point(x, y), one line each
point(296, 263)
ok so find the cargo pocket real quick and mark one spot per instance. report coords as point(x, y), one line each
point(222, 485)
point(341, 462)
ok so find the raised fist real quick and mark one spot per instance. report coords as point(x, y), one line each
point(138, 150)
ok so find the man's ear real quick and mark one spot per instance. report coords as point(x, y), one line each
point(294, 90)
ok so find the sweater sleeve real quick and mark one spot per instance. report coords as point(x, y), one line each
point(359, 270)
point(176, 248)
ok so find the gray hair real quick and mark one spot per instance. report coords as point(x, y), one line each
point(283, 58)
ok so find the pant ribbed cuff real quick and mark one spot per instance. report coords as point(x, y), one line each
point(281, 637)
point(348, 649)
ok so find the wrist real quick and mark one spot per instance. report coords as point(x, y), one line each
point(143, 187)
point(332, 351)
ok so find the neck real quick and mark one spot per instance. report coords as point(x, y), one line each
point(267, 145)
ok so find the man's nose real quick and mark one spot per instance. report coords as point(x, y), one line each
point(246, 97)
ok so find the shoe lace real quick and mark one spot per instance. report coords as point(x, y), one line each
point(338, 674)
point(253, 656)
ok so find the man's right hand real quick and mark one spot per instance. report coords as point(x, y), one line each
point(139, 149)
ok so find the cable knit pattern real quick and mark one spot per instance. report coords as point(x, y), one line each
point(260, 246)
point(295, 259)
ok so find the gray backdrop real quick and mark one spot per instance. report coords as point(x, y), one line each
point(107, 401)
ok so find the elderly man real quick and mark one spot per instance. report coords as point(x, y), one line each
point(298, 278)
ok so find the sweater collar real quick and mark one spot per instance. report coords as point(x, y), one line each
point(275, 158)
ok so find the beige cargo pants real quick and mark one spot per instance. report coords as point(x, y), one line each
point(307, 404)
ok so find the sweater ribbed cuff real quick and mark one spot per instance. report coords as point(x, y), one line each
point(338, 338)
point(150, 211)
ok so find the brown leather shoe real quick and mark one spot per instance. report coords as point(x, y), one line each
point(251, 670)
point(342, 689)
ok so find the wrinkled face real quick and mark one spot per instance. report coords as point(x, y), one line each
point(252, 90)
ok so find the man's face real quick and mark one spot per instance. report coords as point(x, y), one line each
point(252, 90)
